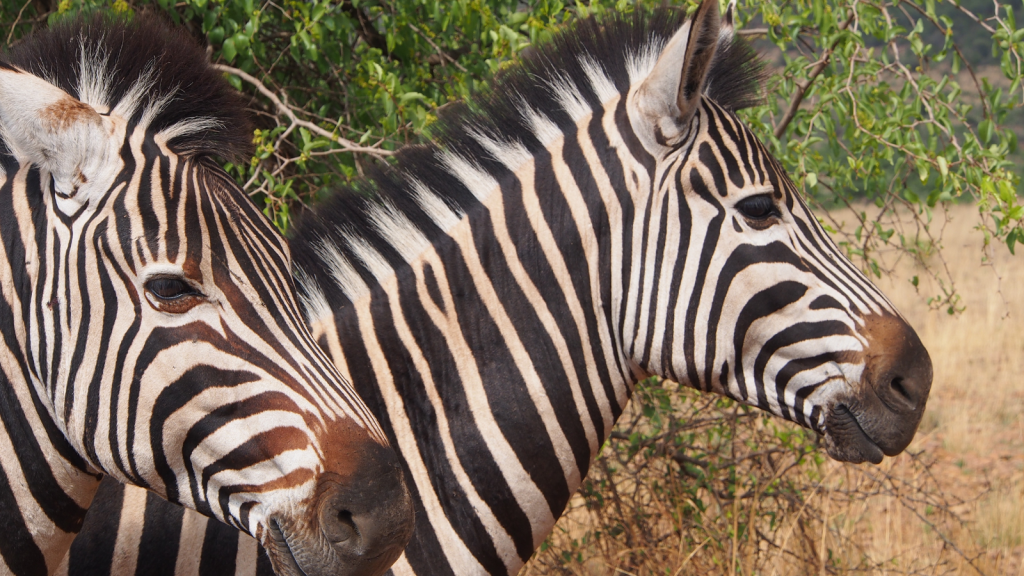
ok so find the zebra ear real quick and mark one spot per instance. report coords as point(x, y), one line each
point(728, 28)
point(670, 95)
point(48, 127)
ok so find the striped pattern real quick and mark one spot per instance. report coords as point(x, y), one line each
point(150, 330)
point(498, 298)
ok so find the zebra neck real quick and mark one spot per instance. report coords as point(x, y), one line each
point(47, 481)
point(495, 347)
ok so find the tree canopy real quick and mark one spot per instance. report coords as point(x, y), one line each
point(904, 103)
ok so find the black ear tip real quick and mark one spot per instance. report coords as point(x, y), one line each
point(730, 13)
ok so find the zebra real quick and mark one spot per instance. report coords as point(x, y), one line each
point(599, 216)
point(151, 329)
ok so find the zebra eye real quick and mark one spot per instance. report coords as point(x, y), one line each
point(172, 295)
point(759, 208)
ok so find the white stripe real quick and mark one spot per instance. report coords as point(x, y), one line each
point(476, 179)
point(370, 258)
point(433, 206)
point(248, 553)
point(314, 303)
point(350, 282)
point(398, 231)
point(193, 532)
point(129, 531)
point(599, 80)
point(568, 95)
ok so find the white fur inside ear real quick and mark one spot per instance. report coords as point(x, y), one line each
point(657, 97)
point(66, 138)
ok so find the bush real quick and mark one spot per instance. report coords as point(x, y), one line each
point(695, 484)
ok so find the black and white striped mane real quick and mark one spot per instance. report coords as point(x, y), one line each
point(502, 112)
point(103, 60)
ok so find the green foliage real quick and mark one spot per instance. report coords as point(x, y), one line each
point(896, 103)
point(894, 113)
point(369, 75)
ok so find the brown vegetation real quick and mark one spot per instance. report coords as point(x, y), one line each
point(691, 484)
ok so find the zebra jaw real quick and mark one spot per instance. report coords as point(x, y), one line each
point(845, 439)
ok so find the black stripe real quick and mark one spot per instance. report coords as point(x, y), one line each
point(161, 537)
point(92, 551)
point(19, 550)
point(220, 548)
point(708, 159)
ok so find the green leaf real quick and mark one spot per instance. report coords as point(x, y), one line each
point(943, 167)
point(404, 98)
point(228, 50)
point(216, 35)
point(241, 42)
point(985, 130)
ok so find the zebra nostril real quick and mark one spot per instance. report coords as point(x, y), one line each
point(345, 529)
point(338, 525)
point(898, 388)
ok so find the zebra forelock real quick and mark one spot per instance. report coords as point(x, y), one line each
point(153, 75)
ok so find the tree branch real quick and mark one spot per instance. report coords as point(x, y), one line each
point(346, 145)
point(441, 53)
point(803, 87)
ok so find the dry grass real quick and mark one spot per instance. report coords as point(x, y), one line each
point(699, 486)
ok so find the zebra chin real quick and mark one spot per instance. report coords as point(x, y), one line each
point(357, 522)
point(879, 415)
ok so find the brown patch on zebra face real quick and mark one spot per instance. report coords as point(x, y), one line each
point(358, 530)
point(67, 112)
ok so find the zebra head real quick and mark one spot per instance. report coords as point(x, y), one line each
point(753, 298)
point(152, 322)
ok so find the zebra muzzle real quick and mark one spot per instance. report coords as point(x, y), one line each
point(360, 522)
point(881, 415)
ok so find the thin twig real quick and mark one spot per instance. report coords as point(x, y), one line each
point(802, 88)
point(347, 145)
point(16, 20)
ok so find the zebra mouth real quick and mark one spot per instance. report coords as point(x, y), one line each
point(282, 558)
point(846, 440)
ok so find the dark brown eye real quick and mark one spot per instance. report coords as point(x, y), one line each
point(760, 207)
point(173, 295)
point(170, 288)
